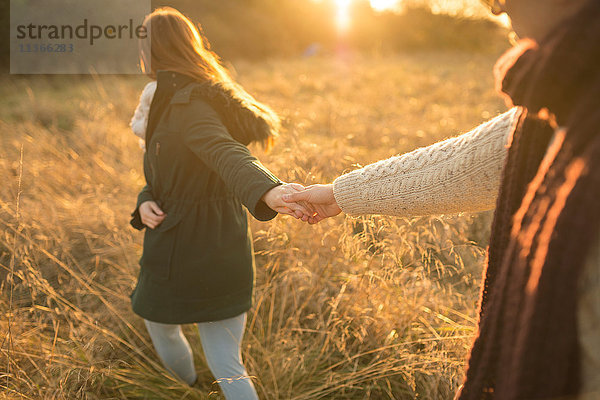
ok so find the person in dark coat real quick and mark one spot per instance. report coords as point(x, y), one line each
point(197, 264)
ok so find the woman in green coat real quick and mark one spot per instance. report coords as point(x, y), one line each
point(197, 264)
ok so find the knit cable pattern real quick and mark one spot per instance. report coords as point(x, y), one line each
point(460, 174)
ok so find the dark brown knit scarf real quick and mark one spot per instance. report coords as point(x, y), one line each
point(547, 215)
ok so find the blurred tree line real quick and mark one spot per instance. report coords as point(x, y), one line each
point(257, 29)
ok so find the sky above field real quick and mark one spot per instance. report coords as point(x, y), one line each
point(466, 8)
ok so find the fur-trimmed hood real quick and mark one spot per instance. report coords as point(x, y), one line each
point(243, 117)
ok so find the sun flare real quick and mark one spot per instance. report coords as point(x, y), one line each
point(384, 5)
point(342, 17)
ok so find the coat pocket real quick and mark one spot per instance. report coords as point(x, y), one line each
point(159, 248)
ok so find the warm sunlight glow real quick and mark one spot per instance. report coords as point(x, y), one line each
point(504, 20)
point(384, 5)
point(342, 16)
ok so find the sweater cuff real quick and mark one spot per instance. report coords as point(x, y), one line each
point(346, 191)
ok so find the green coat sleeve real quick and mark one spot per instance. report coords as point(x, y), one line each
point(206, 136)
point(145, 195)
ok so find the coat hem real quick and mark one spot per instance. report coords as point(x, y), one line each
point(201, 310)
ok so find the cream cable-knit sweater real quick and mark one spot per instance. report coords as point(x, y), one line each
point(463, 174)
point(459, 174)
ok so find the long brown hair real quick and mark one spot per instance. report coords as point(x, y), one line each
point(176, 44)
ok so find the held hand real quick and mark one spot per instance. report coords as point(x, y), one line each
point(274, 199)
point(319, 198)
point(151, 214)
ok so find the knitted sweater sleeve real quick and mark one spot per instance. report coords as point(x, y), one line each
point(461, 174)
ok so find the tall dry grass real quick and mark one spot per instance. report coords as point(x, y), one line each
point(366, 308)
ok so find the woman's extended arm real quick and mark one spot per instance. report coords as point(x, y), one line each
point(459, 174)
point(257, 188)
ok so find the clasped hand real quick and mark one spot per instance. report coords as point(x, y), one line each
point(311, 204)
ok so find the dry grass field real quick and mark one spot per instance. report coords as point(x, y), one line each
point(352, 308)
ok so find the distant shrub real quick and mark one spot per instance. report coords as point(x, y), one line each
point(418, 28)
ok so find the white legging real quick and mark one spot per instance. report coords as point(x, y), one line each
point(221, 341)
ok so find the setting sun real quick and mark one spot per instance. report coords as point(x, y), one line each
point(342, 17)
point(343, 20)
point(384, 5)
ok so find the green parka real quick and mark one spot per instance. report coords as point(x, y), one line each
point(198, 264)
